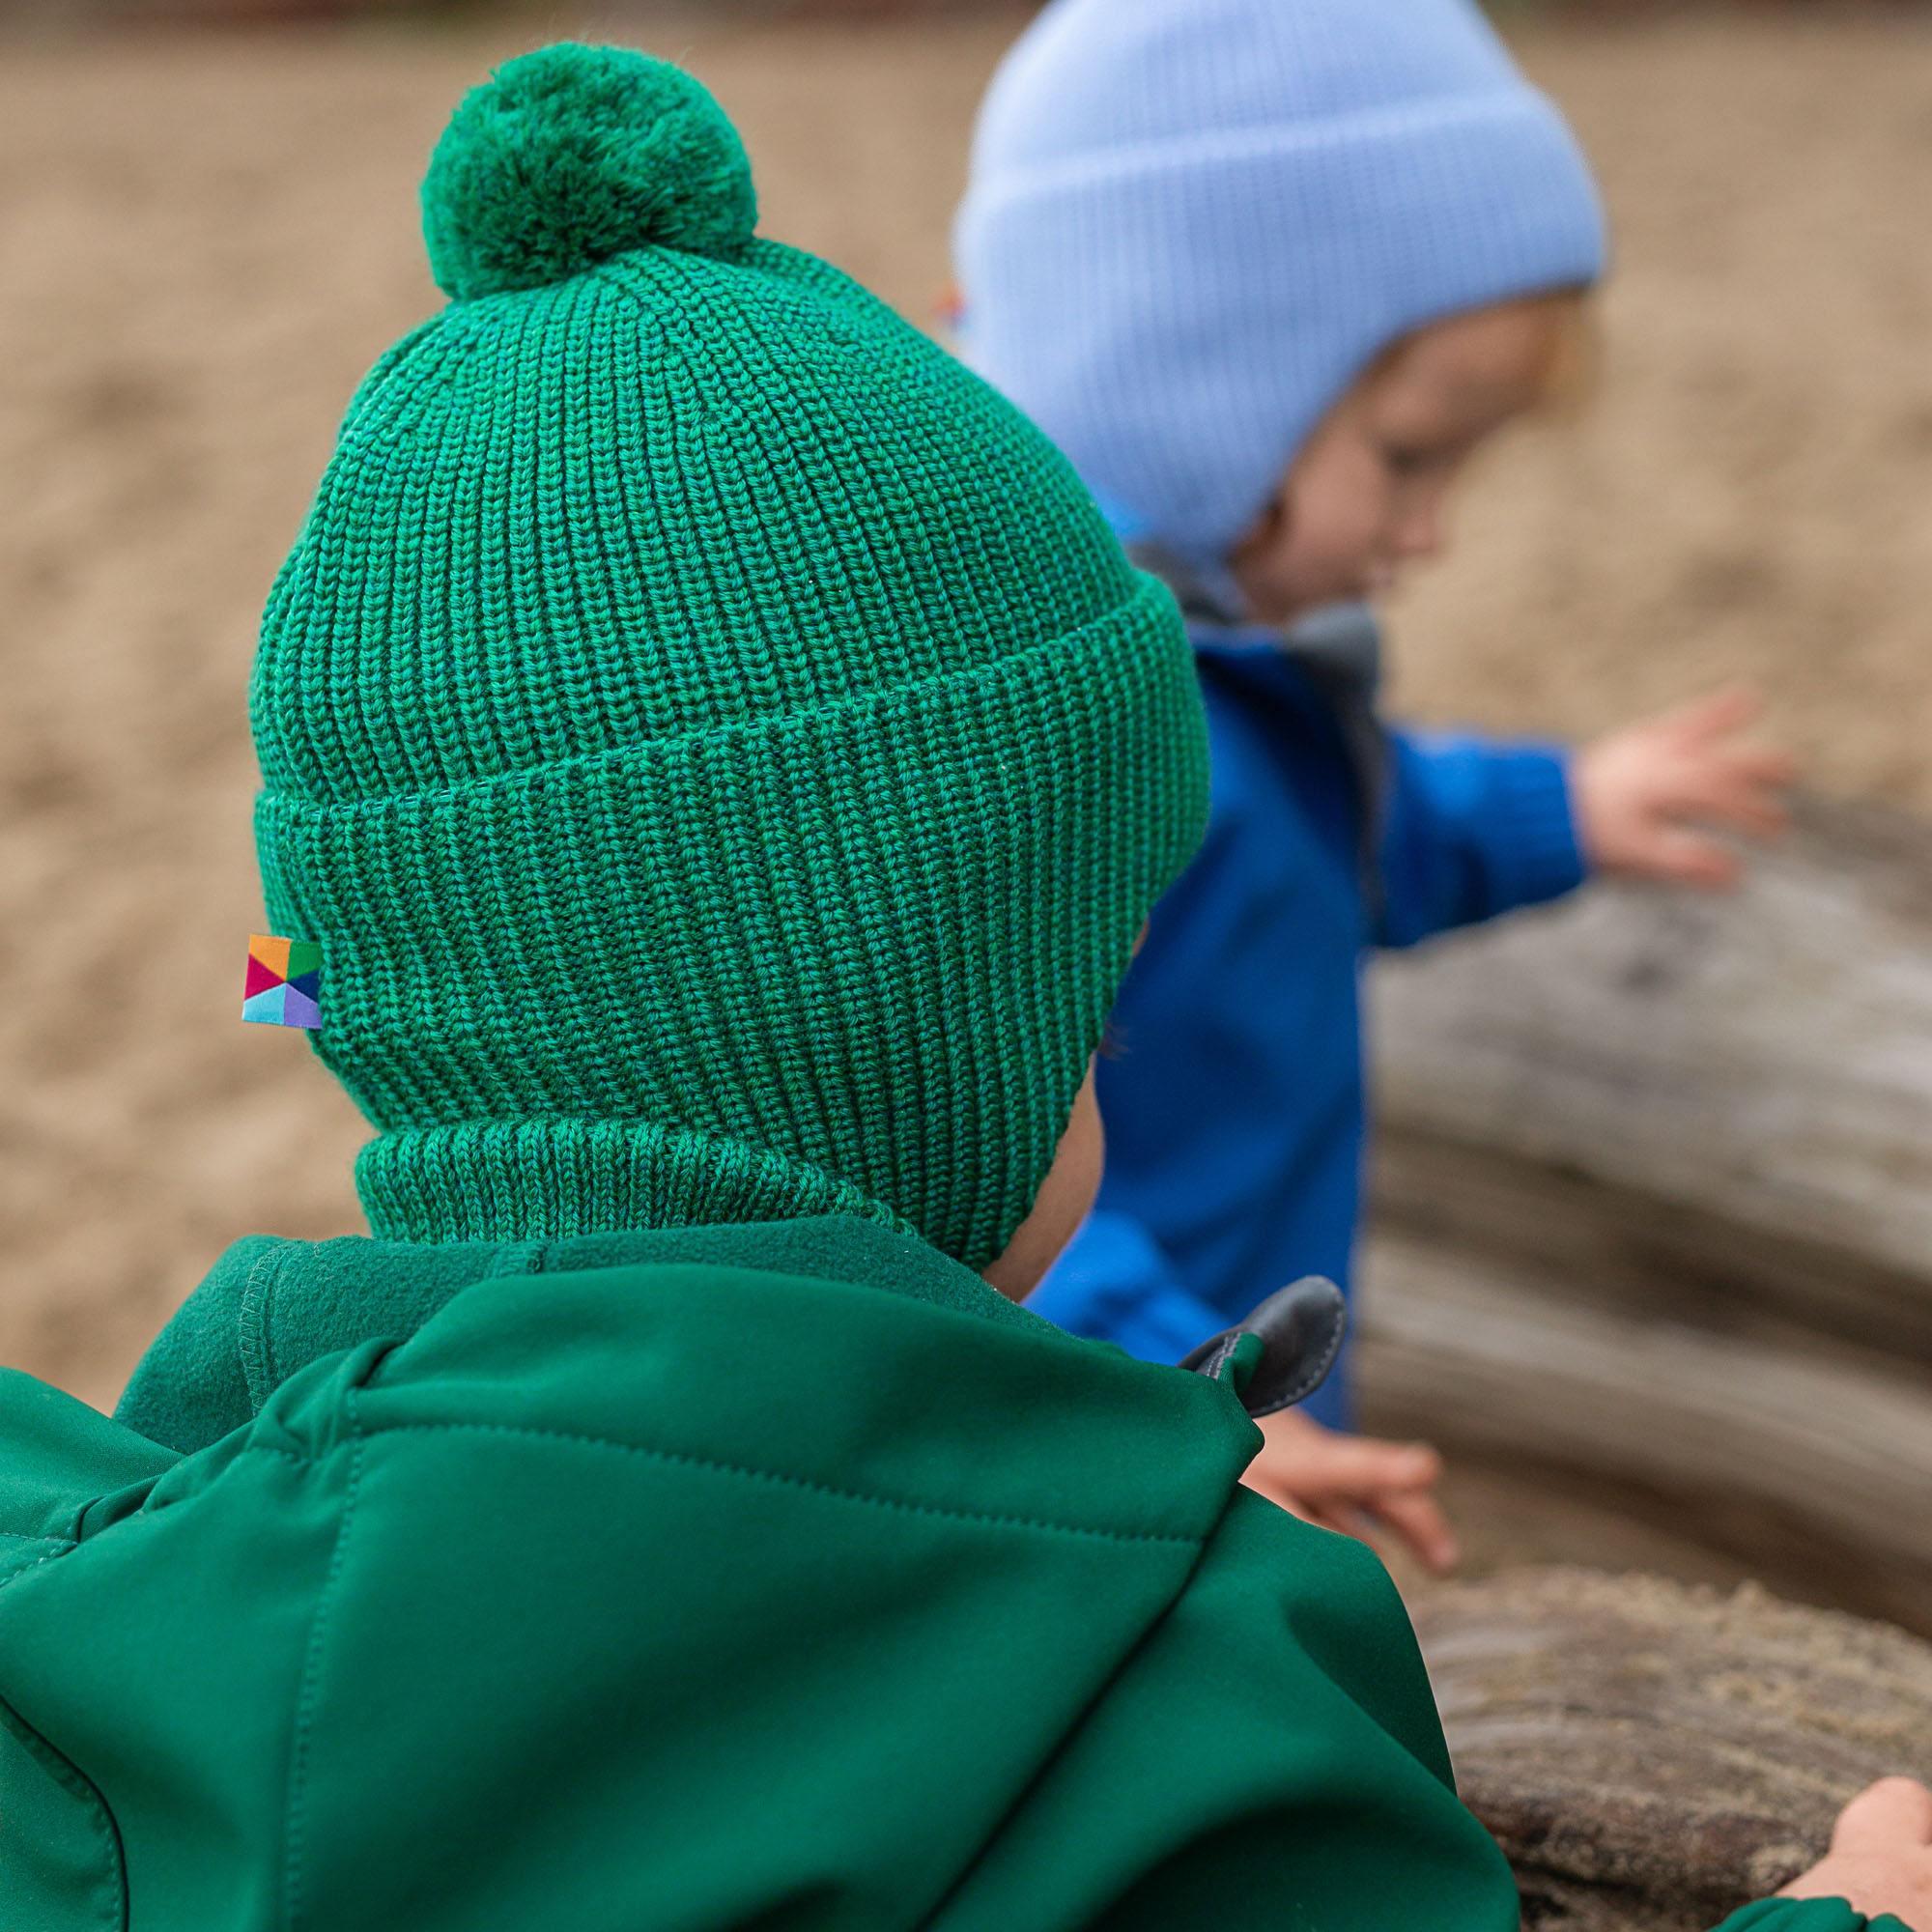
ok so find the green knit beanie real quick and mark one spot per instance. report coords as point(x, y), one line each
point(719, 748)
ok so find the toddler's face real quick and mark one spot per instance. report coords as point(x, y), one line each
point(1367, 493)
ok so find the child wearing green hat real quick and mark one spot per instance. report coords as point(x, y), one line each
point(724, 764)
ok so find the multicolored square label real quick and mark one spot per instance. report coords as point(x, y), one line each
point(284, 984)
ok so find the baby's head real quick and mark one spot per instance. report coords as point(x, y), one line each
point(715, 739)
point(1267, 272)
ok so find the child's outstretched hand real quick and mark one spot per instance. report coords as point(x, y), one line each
point(1372, 1490)
point(1881, 1856)
point(1648, 796)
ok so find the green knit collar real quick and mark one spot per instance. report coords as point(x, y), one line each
point(554, 1180)
point(270, 1307)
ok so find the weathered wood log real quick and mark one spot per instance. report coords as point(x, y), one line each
point(1653, 1207)
point(1651, 1756)
point(1763, 1060)
point(1809, 1466)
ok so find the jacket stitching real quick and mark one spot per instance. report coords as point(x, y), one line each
point(308, 1694)
point(59, 1551)
point(110, 1887)
point(257, 1360)
point(684, 1460)
point(1314, 1377)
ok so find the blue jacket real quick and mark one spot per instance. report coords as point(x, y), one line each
point(1233, 1089)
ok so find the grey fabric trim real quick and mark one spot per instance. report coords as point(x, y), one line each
point(1301, 1327)
point(1338, 649)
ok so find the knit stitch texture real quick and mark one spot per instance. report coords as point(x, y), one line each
point(1192, 223)
point(724, 754)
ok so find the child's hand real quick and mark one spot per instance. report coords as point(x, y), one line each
point(1376, 1490)
point(1881, 1856)
point(1645, 795)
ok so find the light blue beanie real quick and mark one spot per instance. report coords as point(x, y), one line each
point(1192, 223)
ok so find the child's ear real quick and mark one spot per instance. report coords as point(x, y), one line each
point(1268, 530)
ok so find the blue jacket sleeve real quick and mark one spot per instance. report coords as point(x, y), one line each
point(1473, 829)
point(1114, 1284)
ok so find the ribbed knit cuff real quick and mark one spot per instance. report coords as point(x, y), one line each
point(1537, 854)
point(550, 1181)
point(702, 934)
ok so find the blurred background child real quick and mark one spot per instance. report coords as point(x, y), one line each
point(1272, 275)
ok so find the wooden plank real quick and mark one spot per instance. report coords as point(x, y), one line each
point(1650, 1756)
point(1652, 1210)
point(1808, 1465)
point(1763, 1060)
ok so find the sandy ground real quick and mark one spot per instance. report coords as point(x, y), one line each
point(203, 243)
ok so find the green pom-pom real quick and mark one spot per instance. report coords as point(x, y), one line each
point(571, 155)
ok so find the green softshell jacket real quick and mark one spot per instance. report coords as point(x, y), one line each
point(760, 1576)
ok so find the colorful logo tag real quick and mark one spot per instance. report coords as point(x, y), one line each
point(284, 985)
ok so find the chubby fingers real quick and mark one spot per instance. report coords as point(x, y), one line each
point(1359, 1469)
point(1730, 709)
point(1726, 781)
point(1363, 1488)
point(1419, 1520)
point(1764, 767)
point(1896, 1813)
point(1735, 791)
point(1387, 1522)
point(1309, 1508)
point(1737, 786)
